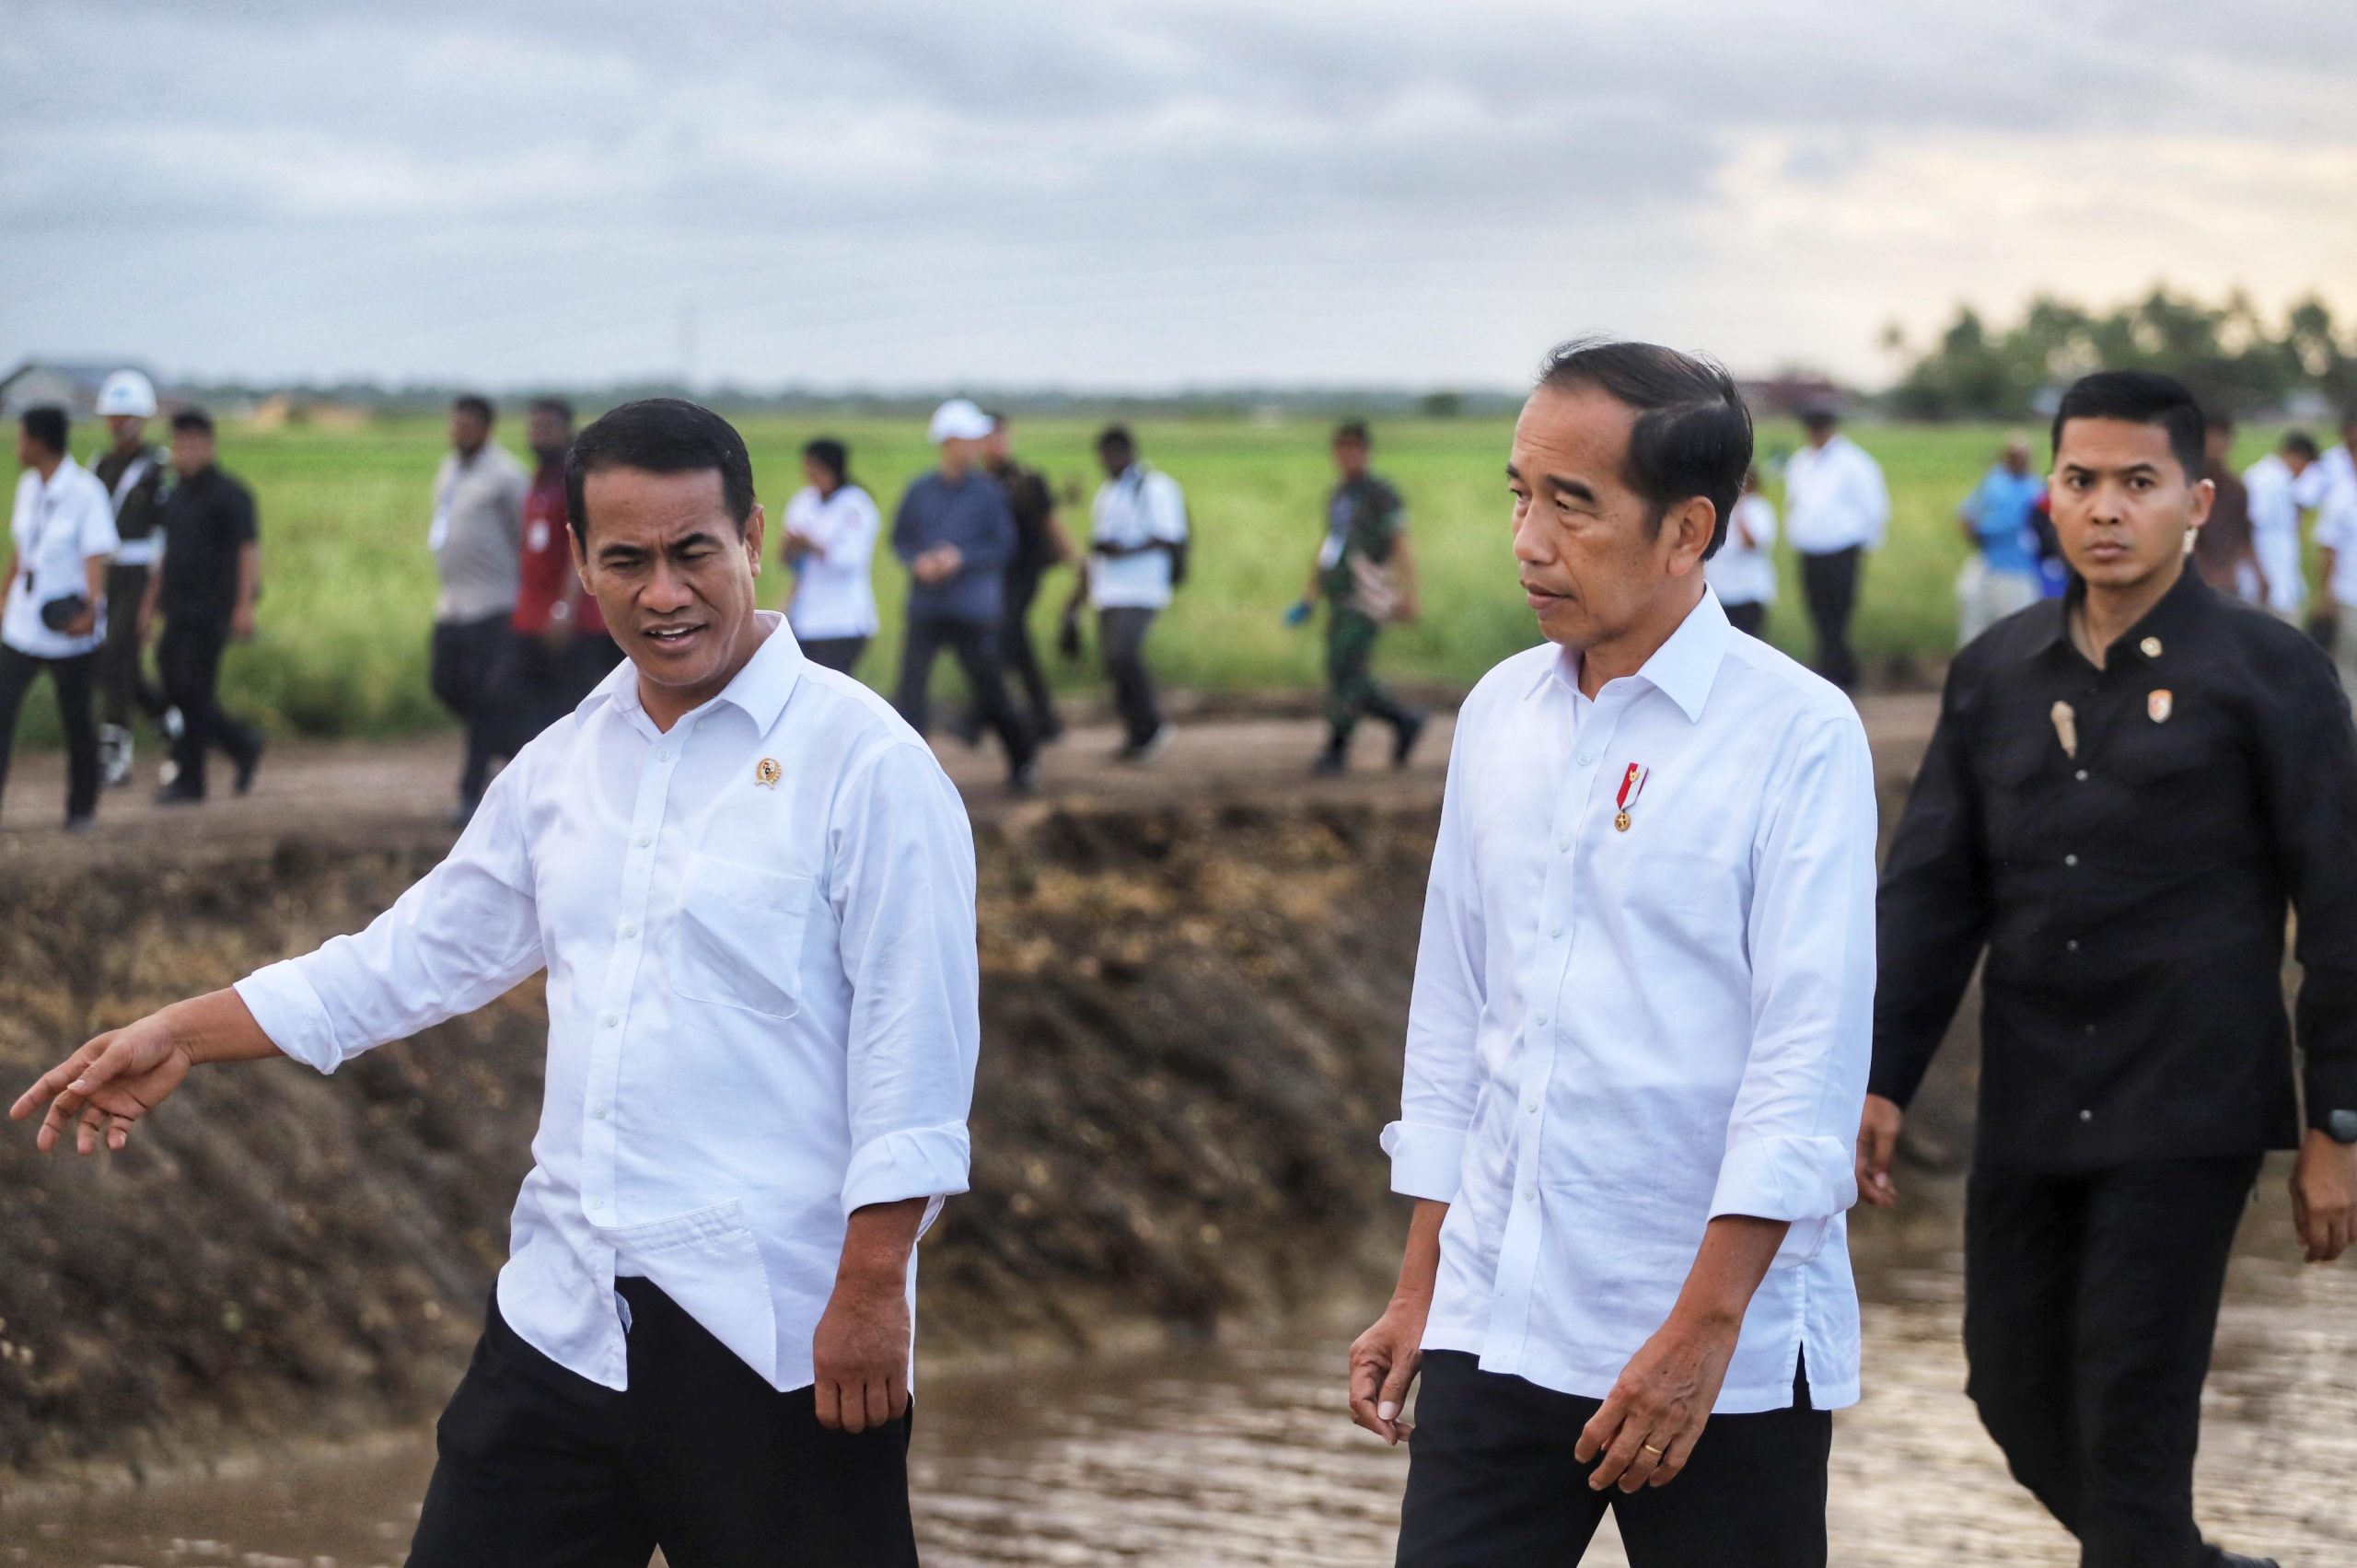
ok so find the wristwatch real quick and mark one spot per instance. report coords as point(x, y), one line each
point(2341, 1126)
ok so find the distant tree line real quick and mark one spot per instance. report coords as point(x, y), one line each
point(2230, 354)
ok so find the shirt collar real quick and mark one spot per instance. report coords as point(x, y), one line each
point(759, 692)
point(1682, 669)
point(2171, 617)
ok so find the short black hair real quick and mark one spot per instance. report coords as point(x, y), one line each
point(191, 421)
point(831, 455)
point(2139, 397)
point(1354, 430)
point(1694, 431)
point(2301, 444)
point(660, 435)
point(48, 426)
point(559, 407)
point(469, 402)
point(1821, 416)
point(1116, 435)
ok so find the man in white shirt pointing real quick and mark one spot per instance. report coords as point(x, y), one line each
point(753, 891)
point(1642, 1013)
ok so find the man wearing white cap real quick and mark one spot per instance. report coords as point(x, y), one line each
point(136, 474)
point(956, 534)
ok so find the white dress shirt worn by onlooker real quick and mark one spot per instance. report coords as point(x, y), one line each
point(759, 933)
point(477, 534)
point(1835, 498)
point(1741, 573)
point(1617, 1035)
point(2334, 467)
point(57, 526)
point(834, 587)
point(1143, 506)
point(2275, 534)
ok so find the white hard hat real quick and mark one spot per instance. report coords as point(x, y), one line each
point(959, 420)
point(127, 392)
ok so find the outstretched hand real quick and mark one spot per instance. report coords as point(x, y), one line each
point(103, 1089)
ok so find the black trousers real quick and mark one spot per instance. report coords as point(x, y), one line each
point(73, 678)
point(974, 643)
point(539, 1467)
point(1020, 655)
point(1829, 581)
point(544, 685)
point(837, 653)
point(189, 657)
point(123, 685)
point(1493, 1482)
point(2090, 1303)
point(1749, 619)
point(469, 676)
point(1120, 637)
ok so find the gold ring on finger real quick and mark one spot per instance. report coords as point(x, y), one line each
point(1651, 1449)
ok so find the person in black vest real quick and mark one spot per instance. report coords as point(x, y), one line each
point(211, 578)
point(2126, 788)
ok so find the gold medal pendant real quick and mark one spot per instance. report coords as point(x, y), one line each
point(1632, 784)
point(1620, 821)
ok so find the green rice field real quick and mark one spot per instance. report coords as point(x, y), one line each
point(348, 587)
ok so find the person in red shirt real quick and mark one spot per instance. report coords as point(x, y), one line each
point(561, 647)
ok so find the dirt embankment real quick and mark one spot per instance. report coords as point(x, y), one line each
point(1191, 1024)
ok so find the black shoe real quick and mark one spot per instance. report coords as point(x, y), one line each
point(2235, 1559)
point(1411, 729)
point(179, 795)
point(80, 824)
point(246, 766)
point(1025, 778)
point(1331, 762)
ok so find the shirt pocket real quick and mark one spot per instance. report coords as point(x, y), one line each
point(739, 940)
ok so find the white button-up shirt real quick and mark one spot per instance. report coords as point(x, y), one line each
point(58, 525)
point(1835, 498)
point(1143, 507)
point(759, 933)
point(2275, 532)
point(1746, 574)
point(1618, 1035)
point(834, 587)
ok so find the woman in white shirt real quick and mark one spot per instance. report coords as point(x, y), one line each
point(830, 527)
point(1743, 573)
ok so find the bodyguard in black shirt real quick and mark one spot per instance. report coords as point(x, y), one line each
point(207, 590)
point(2126, 787)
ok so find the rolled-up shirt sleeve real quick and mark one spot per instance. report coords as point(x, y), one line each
point(1439, 1084)
point(904, 902)
point(466, 933)
point(1793, 1129)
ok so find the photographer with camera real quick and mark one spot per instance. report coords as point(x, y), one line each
point(61, 538)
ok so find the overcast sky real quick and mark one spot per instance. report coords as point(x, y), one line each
point(1119, 195)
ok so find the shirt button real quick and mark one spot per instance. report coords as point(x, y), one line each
point(2087, 1116)
point(1557, 930)
point(1586, 758)
point(2070, 860)
point(2071, 946)
point(597, 1202)
point(1562, 846)
point(1540, 1018)
point(644, 840)
point(598, 1114)
point(2081, 776)
point(633, 931)
point(1530, 1106)
point(613, 1021)
point(1530, 1194)
point(2090, 1031)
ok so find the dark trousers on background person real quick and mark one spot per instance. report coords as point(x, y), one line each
point(123, 685)
point(72, 679)
point(1493, 1482)
point(1829, 581)
point(2090, 1301)
point(539, 1467)
point(188, 656)
point(837, 653)
point(1021, 656)
point(545, 683)
point(1351, 689)
point(1749, 618)
point(470, 660)
point(1120, 637)
point(974, 645)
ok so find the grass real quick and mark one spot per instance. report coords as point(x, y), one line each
point(348, 587)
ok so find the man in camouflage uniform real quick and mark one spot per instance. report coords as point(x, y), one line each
point(1367, 575)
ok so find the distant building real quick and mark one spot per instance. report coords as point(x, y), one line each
point(71, 385)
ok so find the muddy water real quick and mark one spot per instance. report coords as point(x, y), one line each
point(1208, 1457)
